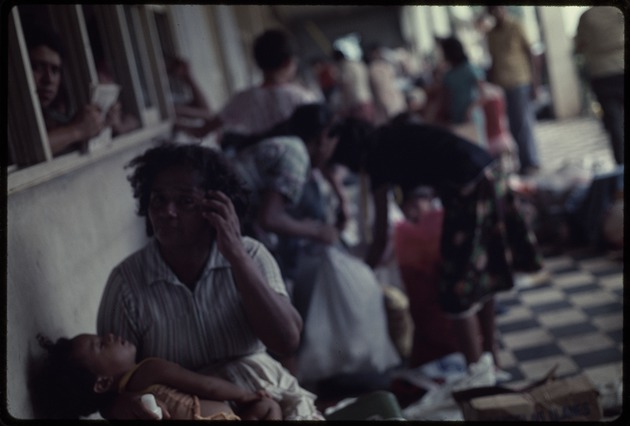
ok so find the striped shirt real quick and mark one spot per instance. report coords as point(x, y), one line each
point(259, 108)
point(145, 303)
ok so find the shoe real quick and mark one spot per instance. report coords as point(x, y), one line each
point(522, 280)
point(502, 375)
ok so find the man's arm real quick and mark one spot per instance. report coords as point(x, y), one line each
point(87, 124)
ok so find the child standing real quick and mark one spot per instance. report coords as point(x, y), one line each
point(86, 372)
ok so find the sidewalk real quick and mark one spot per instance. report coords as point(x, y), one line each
point(579, 141)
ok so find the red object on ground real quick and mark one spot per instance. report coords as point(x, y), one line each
point(417, 248)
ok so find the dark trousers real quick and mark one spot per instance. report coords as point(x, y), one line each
point(609, 91)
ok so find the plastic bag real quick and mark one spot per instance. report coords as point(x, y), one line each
point(438, 403)
point(346, 330)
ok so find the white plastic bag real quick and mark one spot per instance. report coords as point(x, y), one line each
point(346, 327)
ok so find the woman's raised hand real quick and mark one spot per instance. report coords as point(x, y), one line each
point(218, 209)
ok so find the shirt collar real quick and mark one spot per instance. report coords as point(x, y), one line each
point(158, 270)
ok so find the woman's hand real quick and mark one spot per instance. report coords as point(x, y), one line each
point(252, 397)
point(218, 209)
point(113, 118)
point(89, 121)
point(327, 234)
point(262, 408)
point(129, 406)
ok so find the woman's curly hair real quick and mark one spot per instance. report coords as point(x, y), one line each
point(215, 169)
point(64, 389)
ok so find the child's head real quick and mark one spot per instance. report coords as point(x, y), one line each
point(82, 372)
point(418, 202)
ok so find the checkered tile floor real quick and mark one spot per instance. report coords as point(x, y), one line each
point(573, 318)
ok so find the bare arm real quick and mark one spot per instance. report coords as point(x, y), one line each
point(209, 126)
point(272, 317)
point(120, 121)
point(273, 217)
point(334, 175)
point(86, 124)
point(381, 220)
point(161, 371)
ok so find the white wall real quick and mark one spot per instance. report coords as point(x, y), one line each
point(563, 78)
point(65, 235)
point(63, 238)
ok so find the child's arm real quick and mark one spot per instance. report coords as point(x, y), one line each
point(160, 371)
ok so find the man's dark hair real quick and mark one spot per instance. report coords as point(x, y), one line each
point(36, 35)
point(216, 172)
point(272, 49)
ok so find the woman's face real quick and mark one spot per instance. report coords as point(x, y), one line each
point(46, 65)
point(174, 209)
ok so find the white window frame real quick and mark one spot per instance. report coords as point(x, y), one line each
point(27, 136)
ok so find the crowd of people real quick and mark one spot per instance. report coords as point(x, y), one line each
point(245, 278)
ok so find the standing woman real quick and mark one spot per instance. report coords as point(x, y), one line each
point(461, 91)
point(484, 240)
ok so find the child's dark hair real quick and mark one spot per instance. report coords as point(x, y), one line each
point(65, 389)
point(216, 172)
point(272, 49)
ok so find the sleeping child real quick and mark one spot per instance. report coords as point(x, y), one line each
point(86, 372)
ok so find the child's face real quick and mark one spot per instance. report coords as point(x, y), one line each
point(414, 208)
point(109, 355)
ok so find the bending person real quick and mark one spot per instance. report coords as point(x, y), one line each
point(484, 239)
point(199, 294)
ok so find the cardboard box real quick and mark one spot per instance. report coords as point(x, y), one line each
point(568, 399)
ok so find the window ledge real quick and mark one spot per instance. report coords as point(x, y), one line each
point(28, 177)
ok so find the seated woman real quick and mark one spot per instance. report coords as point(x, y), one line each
point(199, 293)
point(337, 295)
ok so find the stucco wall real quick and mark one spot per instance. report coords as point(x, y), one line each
point(63, 238)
